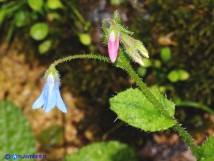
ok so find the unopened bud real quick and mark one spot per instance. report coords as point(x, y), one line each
point(113, 45)
point(141, 49)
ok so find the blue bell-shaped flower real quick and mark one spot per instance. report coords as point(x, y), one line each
point(50, 96)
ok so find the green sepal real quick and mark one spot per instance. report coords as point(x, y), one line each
point(123, 29)
point(127, 40)
point(116, 17)
point(106, 31)
point(134, 44)
point(117, 21)
point(141, 48)
point(52, 70)
point(122, 59)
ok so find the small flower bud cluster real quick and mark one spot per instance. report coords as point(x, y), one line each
point(116, 34)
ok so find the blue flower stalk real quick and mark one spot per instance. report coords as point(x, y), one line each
point(50, 96)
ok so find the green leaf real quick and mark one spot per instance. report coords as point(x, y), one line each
point(85, 39)
point(54, 4)
point(141, 71)
point(173, 76)
point(35, 4)
point(207, 150)
point(44, 46)
point(39, 31)
point(183, 74)
point(104, 151)
point(116, 2)
point(157, 63)
point(20, 18)
point(162, 89)
point(134, 108)
point(165, 54)
point(147, 62)
point(2, 15)
point(176, 75)
point(15, 133)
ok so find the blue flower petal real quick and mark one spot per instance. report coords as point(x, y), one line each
point(40, 101)
point(51, 103)
point(50, 97)
point(59, 103)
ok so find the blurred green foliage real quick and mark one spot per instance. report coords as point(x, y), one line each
point(43, 20)
point(165, 54)
point(104, 151)
point(51, 136)
point(15, 133)
point(39, 31)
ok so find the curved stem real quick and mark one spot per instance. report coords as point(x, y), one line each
point(145, 90)
point(177, 127)
point(85, 56)
point(194, 105)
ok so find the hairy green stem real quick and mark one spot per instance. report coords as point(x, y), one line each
point(145, 90)
point(188, 139)
point(177, 127)
point(84, 56)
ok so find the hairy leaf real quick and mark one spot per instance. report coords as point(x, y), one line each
point(207, 150)
point(135, 109)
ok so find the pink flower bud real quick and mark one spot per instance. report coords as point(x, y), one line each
point(113, 46)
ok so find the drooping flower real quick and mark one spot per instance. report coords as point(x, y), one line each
point(50, 96)
point(113, 45)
